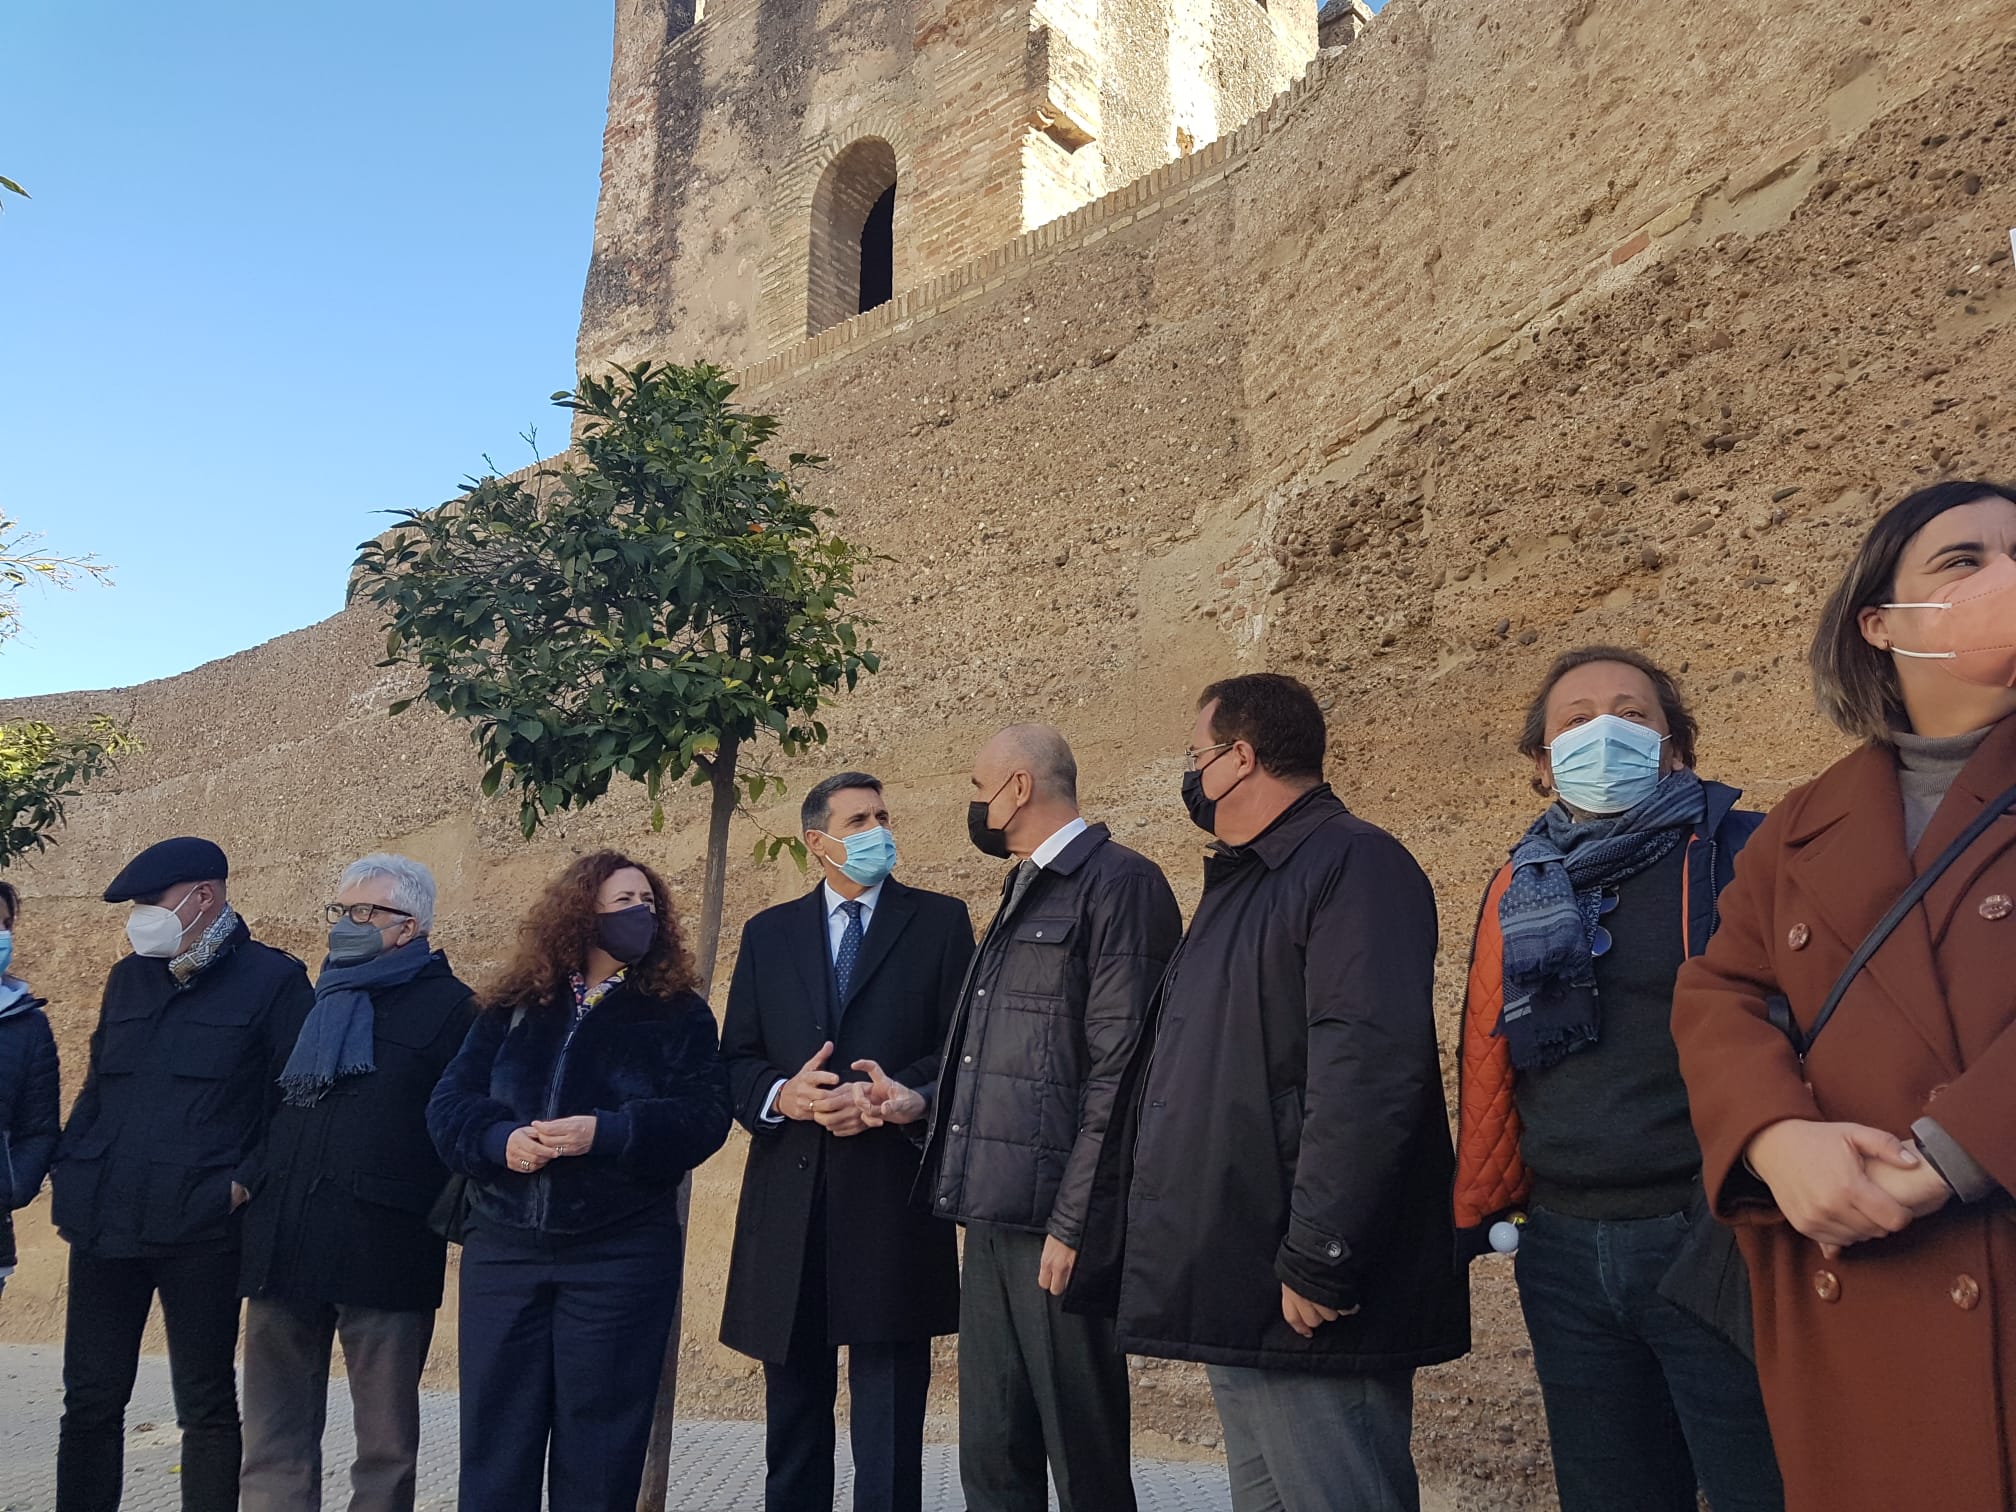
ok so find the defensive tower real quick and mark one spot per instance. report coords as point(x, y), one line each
point(773, 167)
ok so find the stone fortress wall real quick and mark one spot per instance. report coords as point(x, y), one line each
point(1508, 329)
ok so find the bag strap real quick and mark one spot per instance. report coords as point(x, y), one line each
point(1913, 895)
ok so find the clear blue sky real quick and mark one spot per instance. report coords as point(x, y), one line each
point(284, 265)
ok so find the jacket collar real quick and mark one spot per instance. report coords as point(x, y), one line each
point(1720, 798)
point(1080, 850)
point(1294, 824)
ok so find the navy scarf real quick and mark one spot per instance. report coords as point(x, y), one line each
point(336, 1038)
point(1550, 915)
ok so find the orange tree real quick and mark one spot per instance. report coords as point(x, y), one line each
point(663, 604)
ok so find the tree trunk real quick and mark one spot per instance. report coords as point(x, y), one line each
point(652, 1493)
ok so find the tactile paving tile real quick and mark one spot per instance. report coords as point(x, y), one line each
point(717, 1467)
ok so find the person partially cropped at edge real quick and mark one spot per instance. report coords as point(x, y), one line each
point(30, 1087)
point(1048, 1018)
point(338, 1247)
point(839, 993)
point(164, 1146)
point(589, 1086)
point(1871, 1180)
point(1572, 1107)
point(1292, 1037)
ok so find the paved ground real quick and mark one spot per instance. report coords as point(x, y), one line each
point(718, 1467)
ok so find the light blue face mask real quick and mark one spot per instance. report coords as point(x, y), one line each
point(871, 856)
point(6, 950)
point(1607, 766)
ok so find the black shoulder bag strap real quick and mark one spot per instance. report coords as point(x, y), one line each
point(1781, 1009)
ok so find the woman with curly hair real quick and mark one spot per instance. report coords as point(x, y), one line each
point(589, 1086)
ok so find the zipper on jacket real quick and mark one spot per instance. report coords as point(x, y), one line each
point(542, 1183)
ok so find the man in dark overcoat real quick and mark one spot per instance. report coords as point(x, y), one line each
point(338, 1244)
point(845, 992)
point(164, 1145)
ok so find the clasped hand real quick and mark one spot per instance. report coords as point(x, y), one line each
point(816, 1095)
point(545, 1140)
point(1844, 1183)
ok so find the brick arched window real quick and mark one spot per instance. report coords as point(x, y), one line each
point(853, 259)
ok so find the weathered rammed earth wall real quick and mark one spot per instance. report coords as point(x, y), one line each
point(1522, 327)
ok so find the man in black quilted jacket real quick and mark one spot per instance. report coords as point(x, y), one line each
point(1047, 1019)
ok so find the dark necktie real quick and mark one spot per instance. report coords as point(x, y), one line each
point(849, 954)
point(1026, 873)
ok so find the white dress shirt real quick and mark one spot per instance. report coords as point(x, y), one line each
point(1052, 848)
point(836, 928)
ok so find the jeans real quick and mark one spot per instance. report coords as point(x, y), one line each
point(101, 1355)
point(1297, 1441)
point(287, 1399)
point(1644, 1402)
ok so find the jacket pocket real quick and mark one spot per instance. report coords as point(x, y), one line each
point(1287, 1109)
point(1038, 961)
point(187, 1194)
point(396, 1192)
point(74, 1182)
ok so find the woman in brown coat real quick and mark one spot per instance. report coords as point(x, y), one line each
point(1871, 1183)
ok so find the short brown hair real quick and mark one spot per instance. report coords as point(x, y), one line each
point(13, 901)
point(1680, 724)
point(1275, 715)
point(1854, 683)
point(558, 933)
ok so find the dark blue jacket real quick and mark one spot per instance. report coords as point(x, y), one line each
point(182, 1081)
point(648, 1068)
point(30, 1107)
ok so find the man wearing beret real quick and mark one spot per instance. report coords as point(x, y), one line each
point(161, 1150)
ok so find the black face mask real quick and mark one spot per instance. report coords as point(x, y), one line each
point(628, 932)
point(1203, 810)
point(986, 839)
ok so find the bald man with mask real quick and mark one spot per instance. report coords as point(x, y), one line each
point(1047, 1019)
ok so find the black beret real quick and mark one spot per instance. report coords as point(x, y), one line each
point(162, 865)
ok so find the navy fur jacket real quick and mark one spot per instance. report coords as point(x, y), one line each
point(649, 1069)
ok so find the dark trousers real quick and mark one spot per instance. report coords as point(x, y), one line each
point(562, 1346)
point(1644, 1402)
point(1036, 1384)
point(1298, 1441)
point(887, 1384)
point(287, 1346)
point(107, 1314)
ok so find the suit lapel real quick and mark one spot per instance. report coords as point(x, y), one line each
point(1852, 870)
point(894, 910)
point(810, 957)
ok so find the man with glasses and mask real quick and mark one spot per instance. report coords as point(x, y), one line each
point(164, 1146)
point(857, 976)
point(1287, 1215)
point(337, 1243)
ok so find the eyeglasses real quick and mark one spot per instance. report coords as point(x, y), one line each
point(360, 913)
point(1191, 753)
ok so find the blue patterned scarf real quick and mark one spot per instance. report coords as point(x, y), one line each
point(338, 1038)
point(1550, 914)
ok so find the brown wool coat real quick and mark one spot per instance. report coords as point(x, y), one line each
point(1889, 1373)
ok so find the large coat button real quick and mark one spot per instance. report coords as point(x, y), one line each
point(1826, 1285)
point(1997, 906)
point(1798, 936)
point(1965, 1292)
